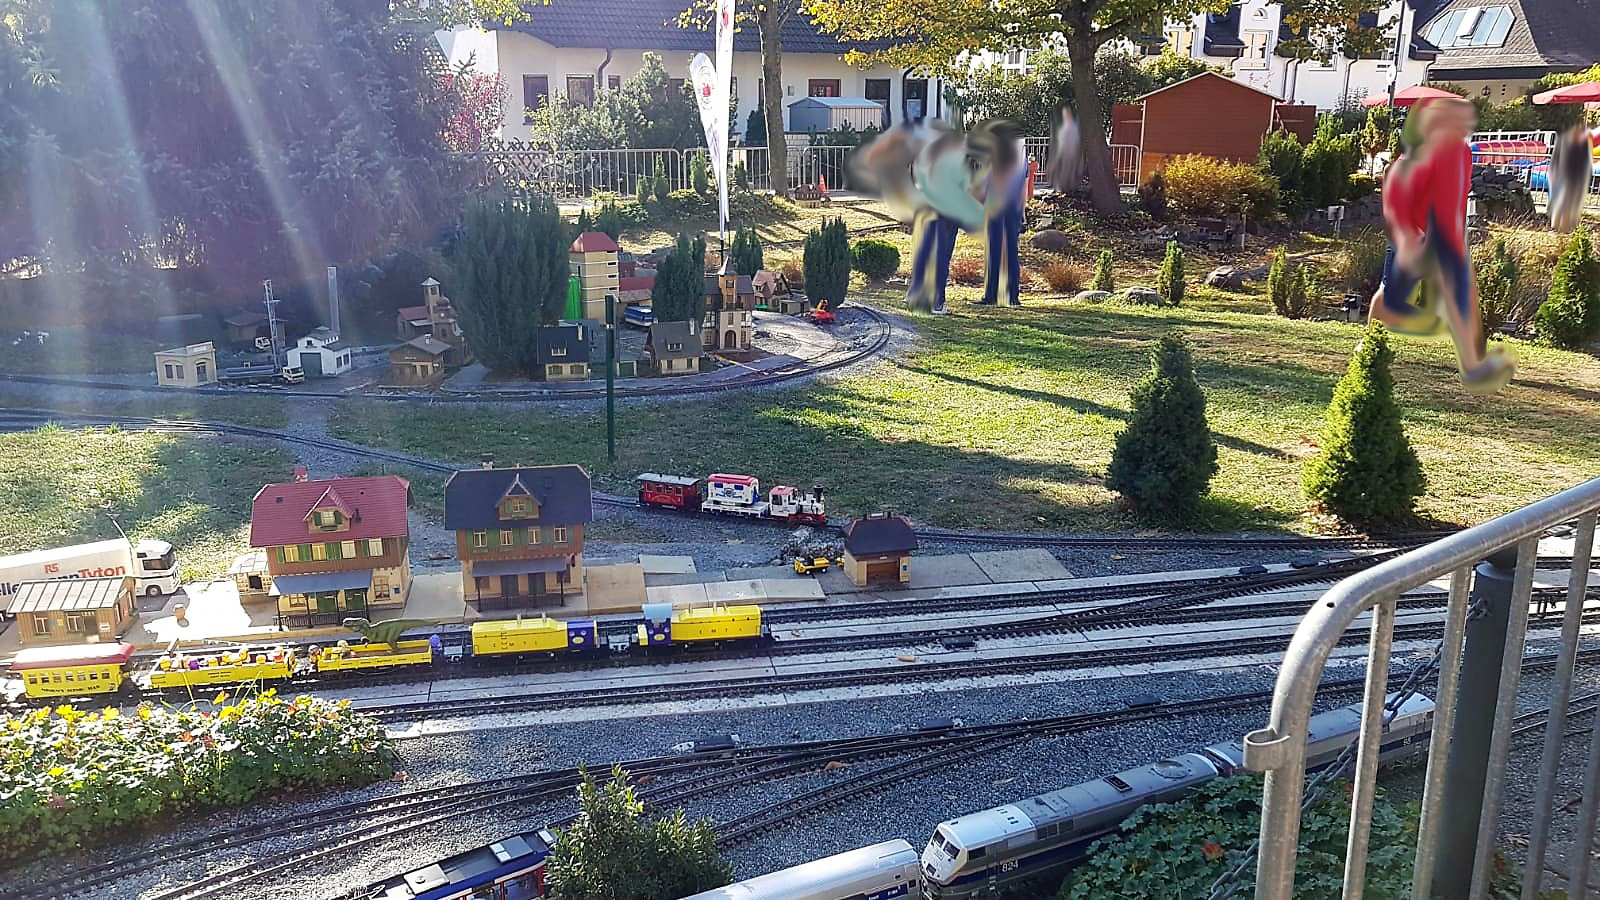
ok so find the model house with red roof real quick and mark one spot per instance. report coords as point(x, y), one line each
point(593, 257)
point(335, 547)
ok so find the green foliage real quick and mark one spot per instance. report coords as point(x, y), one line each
point(1163, 461)
point(1329, 160)
point(679, 294)
point(1153, 197)
point(700, 171)
point(1291, 289)
point(741, 176)
point(1571, 315)
point(745, 252)
point(74, 776)
point(1169, 68)
point(1278, 282)
point(1169, 283)
point(1179, 849)
point(1282, 156)
point(642, 191)
point(1206, 187)
point(755, 128)
point(1360, 267)
point(827, 263)
point(876, 259)
point(609, 219)
point(1365, 470)
point(643, 113)
point(616, 852)
point(1376, 131)
point(1560, 117)
point(658, 183)
point(584, 223)
point(1102, 273)
point(511, 272)
point(1499, 276)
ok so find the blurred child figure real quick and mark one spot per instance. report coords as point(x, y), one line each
point(1425, 210)
point(943, 175)
point(1571, 167)
point(1003, 201)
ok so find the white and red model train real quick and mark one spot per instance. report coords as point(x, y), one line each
point(731, 495)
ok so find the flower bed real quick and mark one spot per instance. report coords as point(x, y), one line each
point(69, 775)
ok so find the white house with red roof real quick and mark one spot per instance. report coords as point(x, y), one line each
point(594, 259)
point(335, 547)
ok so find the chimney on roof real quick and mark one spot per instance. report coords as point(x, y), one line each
point(333, 300)
point(299, 473)
point(487, 459)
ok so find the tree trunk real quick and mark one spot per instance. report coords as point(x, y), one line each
point(770, 25)
point(1104, 191)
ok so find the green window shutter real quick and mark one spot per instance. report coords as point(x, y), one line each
point(305, 552)
point(494, 537)
point(283, 555)
point(335, 550)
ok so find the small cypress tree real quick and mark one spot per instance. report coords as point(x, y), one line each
point(1169, 284)
point(1366, 471)
point(741, 176)
point(642, 191)
point(679, 294)
point(1303, 294)
point(583, 224)
point(827, 262)
point(1278, 282)
point(699, 172)
point(659, 186)
point(745, 252)
point(1102, 274)
point(1498, 276)
point(1571, 315)
point(609, 220)
point(1164, 459)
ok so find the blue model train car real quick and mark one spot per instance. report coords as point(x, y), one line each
point(639, 316)
point(512, 869)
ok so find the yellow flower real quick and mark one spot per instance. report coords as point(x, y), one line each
point(57, 772)
point(111, 712)
point(220, 697)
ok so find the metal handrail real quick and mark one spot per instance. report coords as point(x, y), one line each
point(1279, 749)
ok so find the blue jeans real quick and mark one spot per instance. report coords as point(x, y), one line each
point(930, 264)
point(1399, 284)
point(1002, 234)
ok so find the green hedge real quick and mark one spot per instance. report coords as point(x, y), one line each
point(70, 775)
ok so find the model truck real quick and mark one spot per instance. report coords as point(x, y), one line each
point(153, 563)
point(266, 373)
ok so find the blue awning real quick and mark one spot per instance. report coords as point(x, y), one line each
point(321, 582)
point(535, 566)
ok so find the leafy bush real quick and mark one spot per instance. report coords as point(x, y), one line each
point(967, 270)
point(1102, 274)
point(659, 188)
point(1169, 284)
point(876, 259)
point(616, 852)
point(699, 172)
point(745, 251)
point(1498, 276)
point(1163, 461)
point(793, 273)
point(74, 775)
point(1281, 157)
point(827, 263)
point(1066, 277)
point(1360, 266)
point(1153, 197)
point(1202, 186)
point(1571, 315)
point(1365, 471)
point(1329, 160)
point(1360, 185)
point(609, 219)
point(1291, 289)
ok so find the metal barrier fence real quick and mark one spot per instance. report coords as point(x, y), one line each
point(1279, 749)
point(581, 174)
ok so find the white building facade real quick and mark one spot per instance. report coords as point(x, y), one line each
point(321, 353)
point(575, 49)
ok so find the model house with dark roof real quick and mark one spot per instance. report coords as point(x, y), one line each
point(577, 49)
point(673, 348)
point(334, 546)
point(419, 361)
point(1496, 48)
point(562, 352)
point(879, 547)
point(730, 311)
point(519, 531)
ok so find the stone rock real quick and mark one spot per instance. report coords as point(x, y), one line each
point(1225, 277)
point(1142, 296)
point(1052, 240)
point(1091, 297)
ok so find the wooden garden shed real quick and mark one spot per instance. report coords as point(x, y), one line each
point(1208, 115)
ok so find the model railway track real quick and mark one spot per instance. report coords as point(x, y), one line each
point(719, 689)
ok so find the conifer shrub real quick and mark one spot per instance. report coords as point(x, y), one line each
point(609, 219)
point(1365, 470)
point(745, 252)
point(876, 259)
point(700, 172)
point(643, 192)
point(1571, 314)
point(1102, 274)
point(584, 223)
point(659, 186)
point(1499, 276)
point(1164, 460)
point(1169, 284)
point(827, 263)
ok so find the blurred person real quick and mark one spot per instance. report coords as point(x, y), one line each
point(942, 174)
point(1003, 204)
point(1066, 153)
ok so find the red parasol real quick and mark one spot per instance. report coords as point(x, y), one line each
point(1408, 96)
point(1586, 92)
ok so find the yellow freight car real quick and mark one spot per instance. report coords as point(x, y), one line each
point(72, 671)
point(237, 666)
point(665, 626)
point(345, 657)
point(540, 635)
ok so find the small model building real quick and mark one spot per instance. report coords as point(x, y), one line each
point(321, 352)
point(187, 367)
point(635, 289)
point(594, 260)
point(443, 323)
point(250, 576)
point(730, 301)
point(562, 352)
point(72, 610)
point(674, 348)
point(418, 361)
point(519, 531)
point(244, 327)
point(410, 321)
point(334, 546)
point(879, 547)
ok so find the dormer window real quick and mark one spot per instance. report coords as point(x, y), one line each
point(674, 346)
point(558, 351)
point(517, 506)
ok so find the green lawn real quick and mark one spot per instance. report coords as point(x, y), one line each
point(427, 489)
point(79, 351)
point(58, 487)
point(1006, 419)
point(261, 411)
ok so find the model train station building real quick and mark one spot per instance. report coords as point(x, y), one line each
point(334, 547)
point(879, 547)
point(519, 531)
